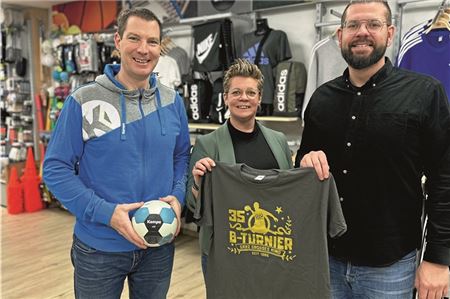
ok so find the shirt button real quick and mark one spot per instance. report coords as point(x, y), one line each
point(341, 199)
point(353, 117)
point(374, 85)
point(344, 171)
point(358, 93)
point(349, 144)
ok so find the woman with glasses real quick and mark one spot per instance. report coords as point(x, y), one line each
point(240, 140)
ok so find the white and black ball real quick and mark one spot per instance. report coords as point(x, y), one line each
point(155, 222)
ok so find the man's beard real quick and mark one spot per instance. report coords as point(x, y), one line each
point(360, 62)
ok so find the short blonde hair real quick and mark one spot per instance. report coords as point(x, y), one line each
point(243, 68)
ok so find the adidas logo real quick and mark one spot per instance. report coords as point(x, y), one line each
point(250, 55)
point(194, 104)
point(281, 89)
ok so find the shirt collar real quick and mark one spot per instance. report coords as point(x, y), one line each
point(378, 77)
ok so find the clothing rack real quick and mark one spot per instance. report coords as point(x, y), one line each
point(248, 17)
point(31, 72)
point(401, 5)
point(177, 30)
point(441, 8)
point(321, 10)
point(283, 7)
point(336, 13)
point(206, 18)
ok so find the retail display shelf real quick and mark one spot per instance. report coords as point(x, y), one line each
point(277, 118)
point(203, 126)
point(213, 126)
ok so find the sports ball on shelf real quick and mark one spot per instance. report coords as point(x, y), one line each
point(155, 222)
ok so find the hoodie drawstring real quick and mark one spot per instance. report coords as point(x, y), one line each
point(160, 111)
point(123, 135)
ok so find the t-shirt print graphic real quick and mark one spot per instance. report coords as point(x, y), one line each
point(256, 231)
point(250, 55)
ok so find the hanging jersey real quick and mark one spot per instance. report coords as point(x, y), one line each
point(181, 57)
point(275, 49)
point(270, 231)
point(168, 71)
point(411, 38)
point(326, 63)
point(431, 56)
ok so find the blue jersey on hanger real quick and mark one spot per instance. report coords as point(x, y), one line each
point(430, 55)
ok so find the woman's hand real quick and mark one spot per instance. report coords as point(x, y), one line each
point(200, 168)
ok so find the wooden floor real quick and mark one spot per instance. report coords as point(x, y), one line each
point(35, 258)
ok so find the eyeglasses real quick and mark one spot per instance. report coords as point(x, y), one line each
point(250, 93)
point(373, 26)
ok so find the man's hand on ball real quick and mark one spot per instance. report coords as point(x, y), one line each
point(176, 206)
point(120, 221)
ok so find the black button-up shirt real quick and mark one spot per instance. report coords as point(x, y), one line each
point(379, 139)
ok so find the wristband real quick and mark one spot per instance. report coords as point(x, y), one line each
point(195, 186)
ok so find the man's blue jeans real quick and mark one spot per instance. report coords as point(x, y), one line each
point(101, 275)
point(392, 282)
point(204, 265)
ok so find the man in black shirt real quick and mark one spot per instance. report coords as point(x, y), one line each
point(379, 129)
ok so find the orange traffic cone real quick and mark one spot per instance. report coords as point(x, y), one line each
point(30, 181)
point(14, 193)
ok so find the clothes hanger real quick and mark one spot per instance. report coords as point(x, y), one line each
point(262, 26)
point(442, 18)
point(166, 45)
point(171, 43)
point(441, 22)
point(339, 15)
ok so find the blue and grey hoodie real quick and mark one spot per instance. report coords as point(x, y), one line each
point(112, 146)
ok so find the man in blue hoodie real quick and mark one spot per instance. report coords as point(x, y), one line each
point(120, 141)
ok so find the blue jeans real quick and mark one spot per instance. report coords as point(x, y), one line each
point(392, 282)
point(204, 265)
point(101, 275)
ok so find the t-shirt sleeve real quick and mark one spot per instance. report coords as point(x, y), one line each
point(336, 220)
point(203, 210)
point(284, 50)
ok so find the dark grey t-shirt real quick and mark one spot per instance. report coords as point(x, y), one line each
point(275, 49)
point(270, 231)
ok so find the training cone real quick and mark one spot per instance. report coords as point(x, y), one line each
point(14, 193)
point(30, 182)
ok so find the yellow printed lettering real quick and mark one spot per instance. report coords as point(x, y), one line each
point(232, 237)
point(268, 241)
point(259, 239)
point(236, 215)
point(288, 244)
point(279, 242)
point(232, 215)
point(240, 216)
